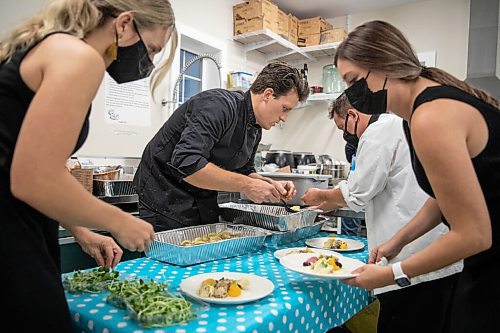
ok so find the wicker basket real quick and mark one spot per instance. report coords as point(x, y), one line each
point(108, 175)
point(84, 176)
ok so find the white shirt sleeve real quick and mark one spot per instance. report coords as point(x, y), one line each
point(374, 158)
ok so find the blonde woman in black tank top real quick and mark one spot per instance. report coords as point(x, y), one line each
point(50, 69)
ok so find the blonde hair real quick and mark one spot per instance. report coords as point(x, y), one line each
point(80, 17)
point(381, 46)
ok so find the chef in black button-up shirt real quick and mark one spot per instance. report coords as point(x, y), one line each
point(209, 144)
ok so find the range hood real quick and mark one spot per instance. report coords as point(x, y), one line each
point(483, 63)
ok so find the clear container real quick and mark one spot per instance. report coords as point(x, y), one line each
point(332, 82)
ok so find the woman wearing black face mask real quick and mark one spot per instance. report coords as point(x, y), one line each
point(453, 132)
point(363, 99)
point(382, 184)
point(50, 69)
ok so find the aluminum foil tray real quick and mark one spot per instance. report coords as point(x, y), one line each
point(166, 246)
point(285, 237)
point(268, 217)
point(112, 188)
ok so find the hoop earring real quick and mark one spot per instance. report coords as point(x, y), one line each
point(112, 50)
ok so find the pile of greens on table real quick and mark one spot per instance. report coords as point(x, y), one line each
point(147, 302)
point(92, 281)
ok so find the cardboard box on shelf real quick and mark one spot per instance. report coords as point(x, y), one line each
point(258, 23)
point(313, 25)
point(309, 40)
point(293, 39)
point(333, 35)
point(254, 8)
point(282, 23)
point(293, 25)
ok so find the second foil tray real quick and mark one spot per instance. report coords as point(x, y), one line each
point(167, 244)
point(267, 216)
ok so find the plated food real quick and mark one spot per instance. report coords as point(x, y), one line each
point(210, 238)
point(336, 243)
point(230, 287)
point(330, 267)
point(223, 288)
point(278, 254)
point(323, 264)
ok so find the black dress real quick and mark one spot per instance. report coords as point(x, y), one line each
point(216, 126)
point(477, 298)
point(32, 294)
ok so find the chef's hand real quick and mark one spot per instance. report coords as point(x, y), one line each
point(371, 277)
point(259, 191)
point(313, 197)
point(102, 248)
point(134, 234)
point(286, 188)
point(389, 249)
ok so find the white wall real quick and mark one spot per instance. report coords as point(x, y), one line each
point(434, 25)
point(12, 12)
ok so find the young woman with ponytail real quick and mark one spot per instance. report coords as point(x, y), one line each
point(453, 131)
point(50, 69)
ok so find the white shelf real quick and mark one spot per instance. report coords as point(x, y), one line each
point(323, 50)
point(276, 47)
point(318, 98)
point(322, 97)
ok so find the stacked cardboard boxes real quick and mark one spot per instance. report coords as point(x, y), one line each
point(255, 15)
point(293, 29)
point(333, 36)
point(310, 30)
point(282, 24)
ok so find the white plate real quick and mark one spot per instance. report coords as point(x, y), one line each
point(352, 244)
point(278, 254)
point(258, 287)
point(295, 262)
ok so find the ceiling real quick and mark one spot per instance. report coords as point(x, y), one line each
point(333, 8)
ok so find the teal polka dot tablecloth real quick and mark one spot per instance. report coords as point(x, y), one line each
point(297, 304)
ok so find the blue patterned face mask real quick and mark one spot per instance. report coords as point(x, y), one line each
point(132, 62)
point(366, 101)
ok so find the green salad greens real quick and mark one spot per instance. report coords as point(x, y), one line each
point(152, 309)
point(120, 291)
point(91, 281)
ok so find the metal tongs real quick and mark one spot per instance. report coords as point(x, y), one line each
point(287, 207)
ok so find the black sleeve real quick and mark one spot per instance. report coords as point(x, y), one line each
point(205, 125)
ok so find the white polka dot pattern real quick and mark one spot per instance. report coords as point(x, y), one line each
point(298, 303)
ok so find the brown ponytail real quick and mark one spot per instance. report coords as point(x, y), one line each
point(381, 46)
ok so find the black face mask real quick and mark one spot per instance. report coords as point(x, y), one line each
point(366, 101)
point(132, 62)
point(352, 139)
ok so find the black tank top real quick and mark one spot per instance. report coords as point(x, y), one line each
point(29, 242)
point(486, 164)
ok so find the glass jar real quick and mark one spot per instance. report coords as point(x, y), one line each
point(332, 82)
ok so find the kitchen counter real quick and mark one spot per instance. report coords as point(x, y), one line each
point(298, 303)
